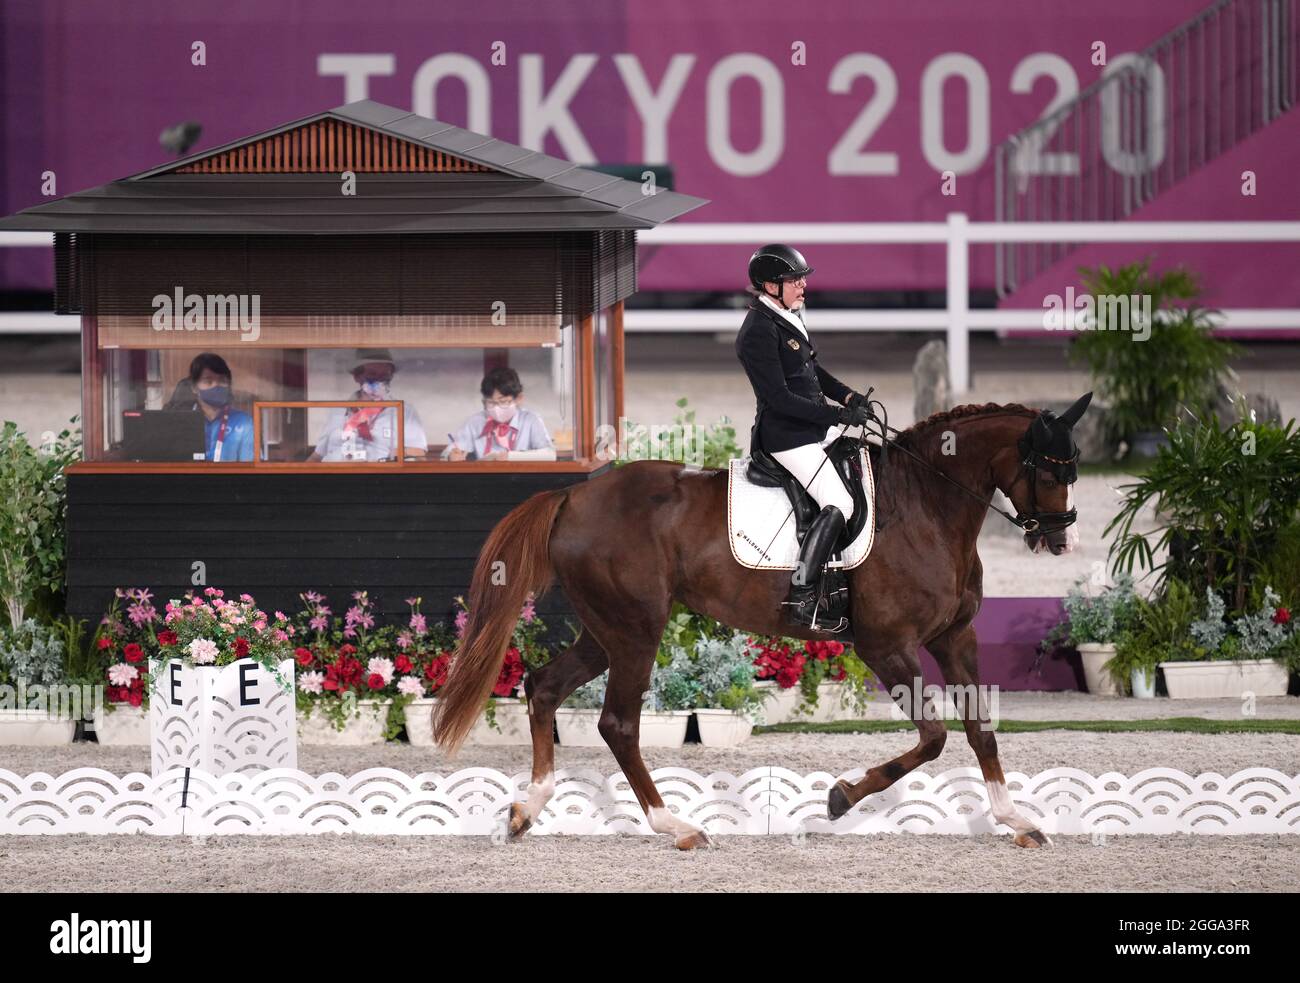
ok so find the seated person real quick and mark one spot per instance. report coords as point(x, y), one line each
point(503, 430)
point(228, 432)
point(369, 433)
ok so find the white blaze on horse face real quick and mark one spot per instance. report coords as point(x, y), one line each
point(539, 793)
point(1004, 810)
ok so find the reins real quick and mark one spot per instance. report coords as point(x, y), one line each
point(1028, 525)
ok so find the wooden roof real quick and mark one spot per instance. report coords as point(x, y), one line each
point(413, 175)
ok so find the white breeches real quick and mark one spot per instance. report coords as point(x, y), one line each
point(827, 488)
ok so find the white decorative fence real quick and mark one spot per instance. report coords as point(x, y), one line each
point(762, 801)
point(237, 718)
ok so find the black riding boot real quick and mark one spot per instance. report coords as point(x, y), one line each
point(806, 582)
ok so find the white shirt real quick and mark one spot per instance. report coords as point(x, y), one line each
point(335, 445)
point(790, 316)
point(533, 443)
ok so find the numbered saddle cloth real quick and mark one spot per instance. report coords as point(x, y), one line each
point(761, 522)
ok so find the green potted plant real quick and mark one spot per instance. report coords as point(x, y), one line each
point(33, 509)
point(1093, 624)
point(1224, 498)
point(1252, 653)
point(728, 702)
point(1158, 631)
point(1146, 379)
point(32, 665)
point(669, 702)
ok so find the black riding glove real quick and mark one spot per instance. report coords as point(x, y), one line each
point(856, 416)
point(856, 399)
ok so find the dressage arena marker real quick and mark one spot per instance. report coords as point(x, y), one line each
point(762, 801)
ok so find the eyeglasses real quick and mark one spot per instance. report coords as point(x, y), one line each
point(507, 401)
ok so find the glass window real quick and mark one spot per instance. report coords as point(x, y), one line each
point(190, 404)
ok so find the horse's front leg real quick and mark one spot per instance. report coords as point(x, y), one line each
point(899, 672)
point(955, 651)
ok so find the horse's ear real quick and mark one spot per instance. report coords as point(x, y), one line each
point(1072, 415)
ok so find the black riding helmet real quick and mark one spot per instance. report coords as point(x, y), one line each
point(774, 263)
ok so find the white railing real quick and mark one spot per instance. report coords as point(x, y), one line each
point(957, 234)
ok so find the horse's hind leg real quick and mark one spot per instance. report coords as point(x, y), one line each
point(955, 651)
point(897, 669)
point(547, 688)
point(632, 640)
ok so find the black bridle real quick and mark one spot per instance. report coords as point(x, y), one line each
point(1065, 470)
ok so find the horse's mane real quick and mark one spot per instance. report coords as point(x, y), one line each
point(919, 429)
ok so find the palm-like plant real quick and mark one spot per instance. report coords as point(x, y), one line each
point(1222, 497)
point(1144, 383)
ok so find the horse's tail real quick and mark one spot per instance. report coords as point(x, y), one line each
point(519, 544)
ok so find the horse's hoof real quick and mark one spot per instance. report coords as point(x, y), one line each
point(837, 803)
point(519, 821)
point(692, 841)
point(1033, 840)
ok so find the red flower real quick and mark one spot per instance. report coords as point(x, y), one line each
point(436, 672)
point(167, 638)
point(403, 664)
point(1281, 616)
point(105, 642)
point(303, 656)
point(133, 652)
point(135, 698)
point(346, 649)
point(241, 647)
point(376, 681)
point(512, 670)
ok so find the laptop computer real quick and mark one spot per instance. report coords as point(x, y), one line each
point(162, 435)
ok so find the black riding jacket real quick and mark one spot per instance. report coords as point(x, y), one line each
point(790, 386)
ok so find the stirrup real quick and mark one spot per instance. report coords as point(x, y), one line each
point(819, 609)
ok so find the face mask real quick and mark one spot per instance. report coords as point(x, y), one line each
point(502, 414)
point(215, 396)
point(376, 388)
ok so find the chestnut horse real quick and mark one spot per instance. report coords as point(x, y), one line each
point(627, 544)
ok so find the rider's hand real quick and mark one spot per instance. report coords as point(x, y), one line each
point(856, 399)
point(855, 416)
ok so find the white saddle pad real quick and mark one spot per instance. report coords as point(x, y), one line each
point(759, 516)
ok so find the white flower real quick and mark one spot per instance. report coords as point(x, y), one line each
point(122, 674)
point(203, 651)
point(411, 685)
point(382, 666)
point(311, 682)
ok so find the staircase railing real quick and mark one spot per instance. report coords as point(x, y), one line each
point(1153, 118)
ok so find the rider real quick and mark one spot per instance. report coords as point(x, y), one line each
point(793, 416)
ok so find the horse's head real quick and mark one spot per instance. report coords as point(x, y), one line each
point(1041, 487)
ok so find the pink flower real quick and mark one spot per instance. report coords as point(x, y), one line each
point(412, 686)
point(461, 618)
point(311, 682)
point(319, 623)
point(404, 641)
point(418, 624)
point(529, 612)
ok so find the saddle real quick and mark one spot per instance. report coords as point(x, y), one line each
point(764, 470)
